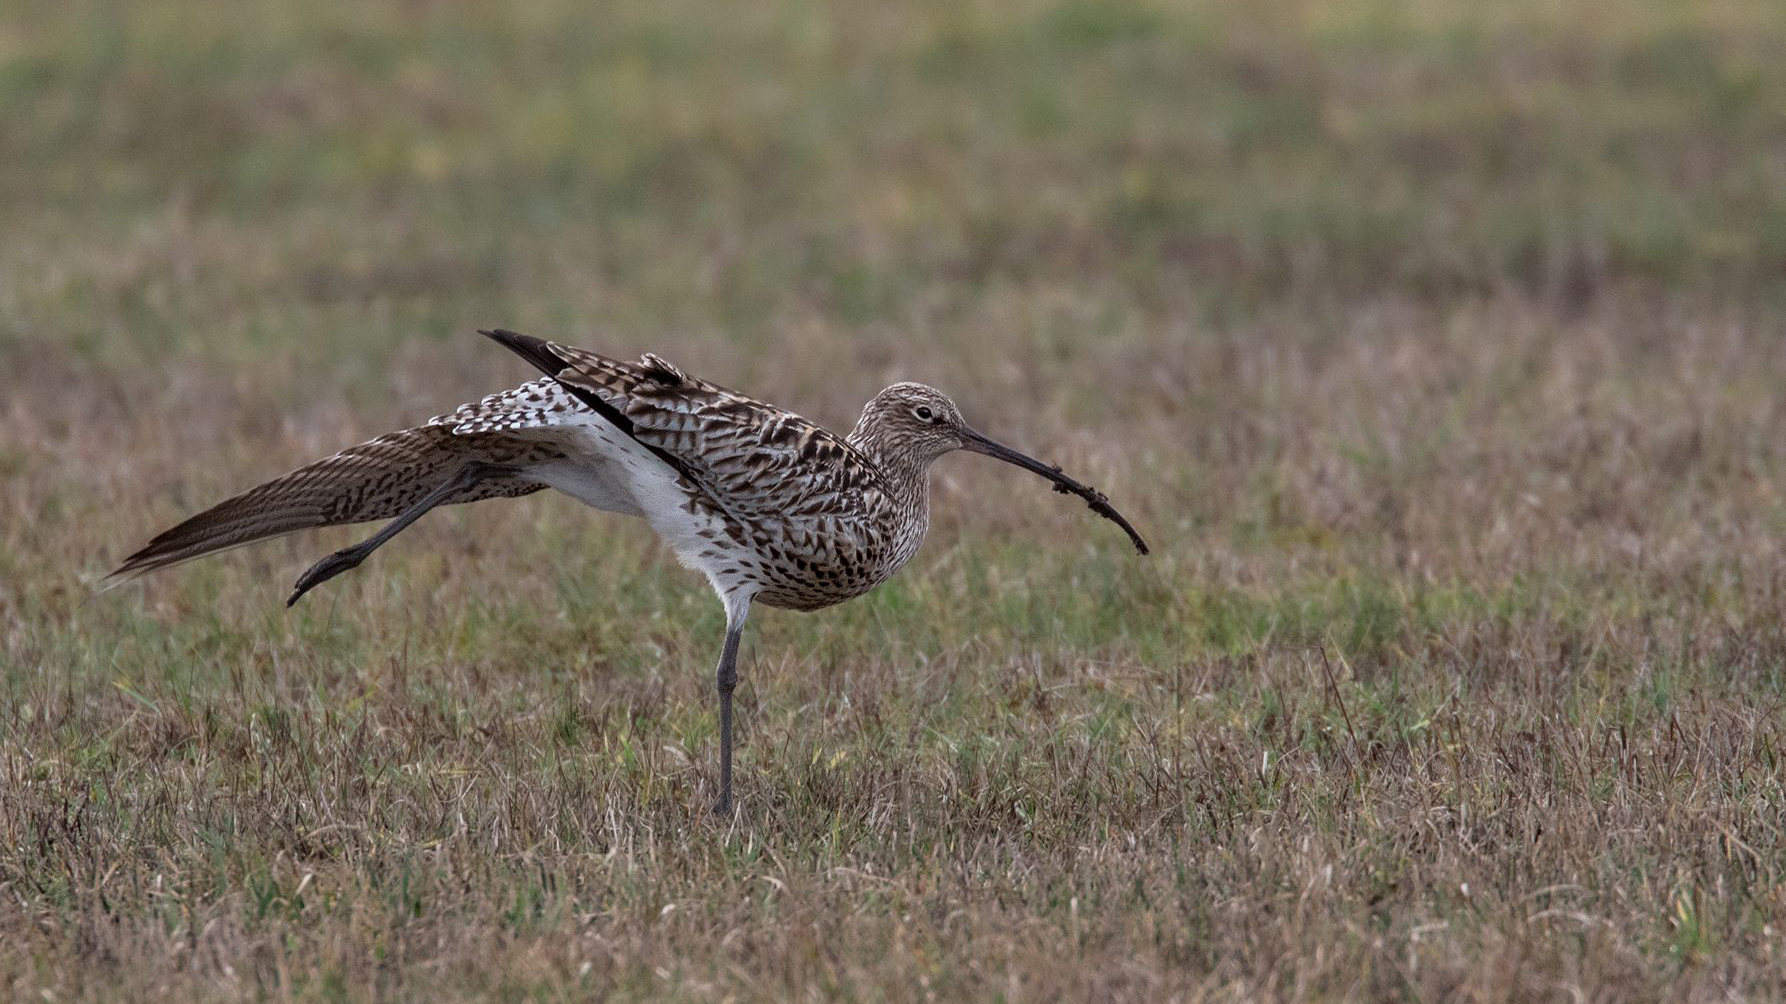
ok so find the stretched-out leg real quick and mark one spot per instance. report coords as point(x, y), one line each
point(727, 679)
point(349, 558)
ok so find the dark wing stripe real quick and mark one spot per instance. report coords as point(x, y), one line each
point(540, 353)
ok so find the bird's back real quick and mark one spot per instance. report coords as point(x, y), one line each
point(770, 501)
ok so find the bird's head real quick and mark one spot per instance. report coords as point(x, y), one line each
point(910, 425)
point(913, 421)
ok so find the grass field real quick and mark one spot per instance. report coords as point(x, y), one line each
point(1436, 346)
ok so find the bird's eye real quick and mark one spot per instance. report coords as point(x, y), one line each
point(924, 413)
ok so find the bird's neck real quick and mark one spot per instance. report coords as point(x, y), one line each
point(907, 473)
point(906, 480)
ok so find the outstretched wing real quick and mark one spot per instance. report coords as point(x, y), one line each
point(374, 480)
point(750, 459)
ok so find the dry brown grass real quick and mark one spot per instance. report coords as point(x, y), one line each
point(1458, 672)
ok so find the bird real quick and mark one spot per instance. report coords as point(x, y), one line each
point(771, 507)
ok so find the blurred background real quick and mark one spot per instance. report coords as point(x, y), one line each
point(221, 181)
point(1441, 337)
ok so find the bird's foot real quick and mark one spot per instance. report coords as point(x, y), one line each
point(344, 560)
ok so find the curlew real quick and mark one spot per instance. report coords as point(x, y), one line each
point(771, 507)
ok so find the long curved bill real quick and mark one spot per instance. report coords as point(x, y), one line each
point(1063, 484)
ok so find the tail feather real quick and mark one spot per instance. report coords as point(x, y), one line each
point(374, 480)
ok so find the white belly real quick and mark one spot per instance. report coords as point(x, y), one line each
point(607, 469)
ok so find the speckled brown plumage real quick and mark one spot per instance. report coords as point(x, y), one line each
point(771, 507)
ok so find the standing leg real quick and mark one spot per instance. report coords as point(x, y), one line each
point(727, 678)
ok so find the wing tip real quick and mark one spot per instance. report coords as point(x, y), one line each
point(146, 559)
point(152, 557)
point(537, 351)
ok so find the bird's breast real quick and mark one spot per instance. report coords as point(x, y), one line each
point(808, 563)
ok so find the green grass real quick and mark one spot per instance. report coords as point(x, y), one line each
point(1434, 346)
